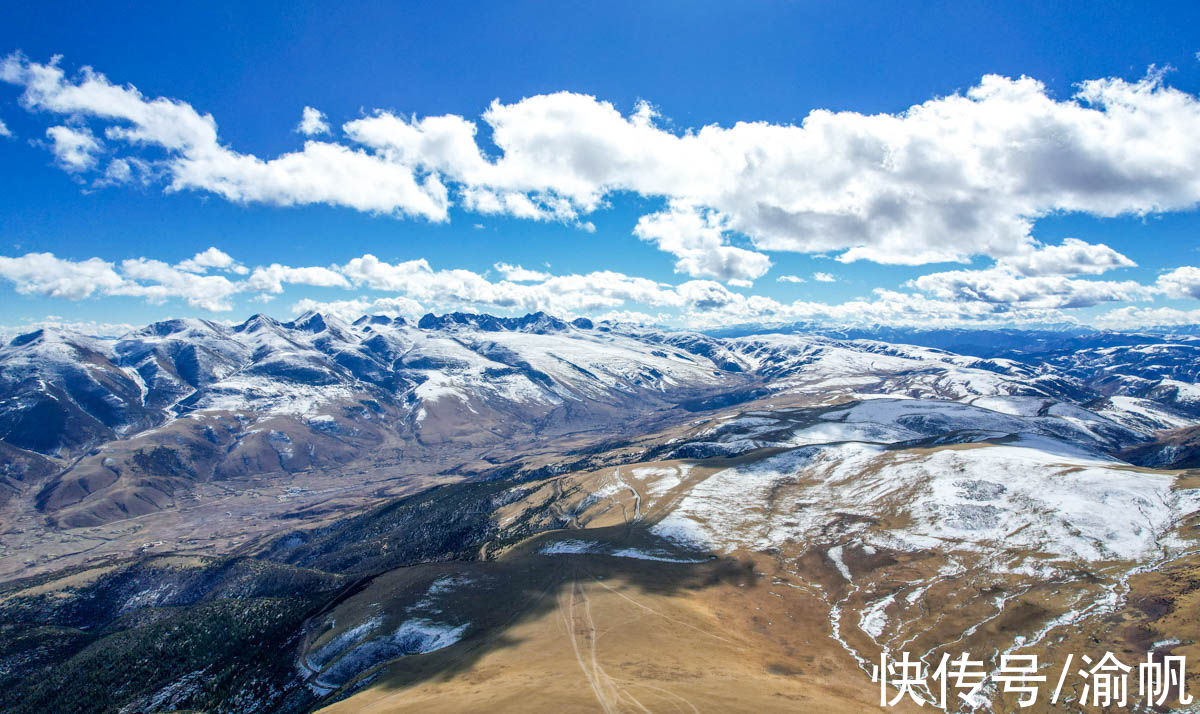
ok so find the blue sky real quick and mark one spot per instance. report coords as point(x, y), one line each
point(710, 252)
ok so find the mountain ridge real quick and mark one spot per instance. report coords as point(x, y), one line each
point(130, 424)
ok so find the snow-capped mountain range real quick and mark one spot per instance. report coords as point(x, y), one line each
point(114, 427)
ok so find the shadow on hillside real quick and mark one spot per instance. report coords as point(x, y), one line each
point(247, 620)
point(496, 597)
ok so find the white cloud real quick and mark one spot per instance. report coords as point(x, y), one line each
point(157, 281)
point(517, 274)
point(1041, 277)
point(1072, 257)
point(512, 203)
point(272, 277)
point(790, 279)
point(118, 171)
point(4, 130)
point(970, 296)
point(75, 149)
point(954, 177)
point(991, 296)
point(454, 289)
point(154, 280)
point(999, 286)
point(697, 237)
point(1182, 282)
point(312, 122)
point(824, 278)
point(320, 173)
point(129, 169)
point(44, 274)
point(884, 306)
point(212, 258)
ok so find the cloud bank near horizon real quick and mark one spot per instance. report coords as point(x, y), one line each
point(211, 280)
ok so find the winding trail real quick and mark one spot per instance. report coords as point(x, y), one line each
point(612, 694)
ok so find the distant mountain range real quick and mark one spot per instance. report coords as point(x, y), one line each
point(116, 427)
point(981, 342)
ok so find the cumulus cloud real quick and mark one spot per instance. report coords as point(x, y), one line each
point(697, 237)
point(45, 274)
point(790, 279)
point(312, 122)
point(50, 276)
point(953, 177)
point(320, 173)
point(560, 294)
point(414, 280)
point(1071, 257)
point(1000, 286)
point(4, 130)
point(824, 278)
point(517, 274)
point(153, 280)
point(270, 279)
point(75, 149)
point(157, 281)
point(118, 171)
point(989, 296)
point(212, 257)
point(1182, 282)
point(1042, 277)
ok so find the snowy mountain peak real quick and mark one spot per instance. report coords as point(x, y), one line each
point(536, 322)
point(257, 322)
